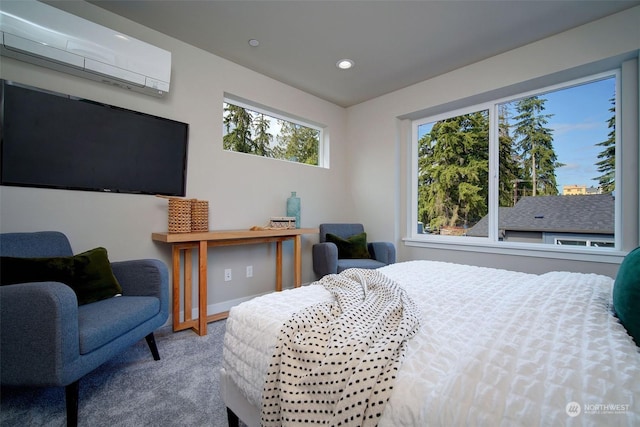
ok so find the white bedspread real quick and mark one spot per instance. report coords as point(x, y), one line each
point(495, 348)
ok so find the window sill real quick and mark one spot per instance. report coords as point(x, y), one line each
point(470, 244)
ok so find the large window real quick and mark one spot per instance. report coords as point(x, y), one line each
point(254, 130)
point(537, 168)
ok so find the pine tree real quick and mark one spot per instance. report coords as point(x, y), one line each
point(536, 146)
point(262, 140)
point(238, 123)
point(297, 143)
point(607, 166)
point(508, 161)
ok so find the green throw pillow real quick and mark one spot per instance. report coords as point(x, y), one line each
point(626, 294)
point(352, 248)
point(89, 274)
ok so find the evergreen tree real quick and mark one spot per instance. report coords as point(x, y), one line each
point(454, 171)
point(509, 173)
point(298, 143)
point(238, 123)
point(247, 131)
point(607, 164)
point(536, 146)
point(262, 140)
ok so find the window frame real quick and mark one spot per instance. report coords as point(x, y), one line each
point(491, 243)
point(323, 149)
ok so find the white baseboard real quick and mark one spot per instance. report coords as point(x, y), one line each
point(220, 307)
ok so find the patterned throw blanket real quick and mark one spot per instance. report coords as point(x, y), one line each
point(335, 363)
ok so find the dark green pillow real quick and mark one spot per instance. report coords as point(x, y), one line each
point(626, 294)
point(355, 247)
point(89, 274)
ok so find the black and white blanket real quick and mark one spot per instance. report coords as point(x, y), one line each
point(335, 363)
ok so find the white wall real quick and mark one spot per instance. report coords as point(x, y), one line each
point(379, 132)
point(242, 190)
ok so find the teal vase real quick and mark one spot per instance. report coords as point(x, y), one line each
point(293, 207)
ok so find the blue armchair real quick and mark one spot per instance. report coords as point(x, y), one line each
point(47, 339)
point(329, 254)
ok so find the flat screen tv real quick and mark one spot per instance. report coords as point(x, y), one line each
point(53, 140)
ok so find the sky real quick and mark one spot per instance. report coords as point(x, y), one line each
point(580, 121)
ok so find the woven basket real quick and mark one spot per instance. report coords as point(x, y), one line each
point(179, 215)
point(187, 215)
point(199, 215)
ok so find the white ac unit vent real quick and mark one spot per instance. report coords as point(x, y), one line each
point(41, 34)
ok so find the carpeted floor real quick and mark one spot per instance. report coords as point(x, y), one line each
point(181, 389)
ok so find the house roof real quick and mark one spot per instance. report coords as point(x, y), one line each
point(592, 213)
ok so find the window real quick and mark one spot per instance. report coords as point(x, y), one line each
point(578, 242)
point(254, 130)
point(538, 168)
point(453, 172)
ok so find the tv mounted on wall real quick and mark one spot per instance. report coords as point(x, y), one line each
point(53, 140)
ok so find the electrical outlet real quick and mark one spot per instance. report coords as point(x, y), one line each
point(249, 270)
point(227, 274)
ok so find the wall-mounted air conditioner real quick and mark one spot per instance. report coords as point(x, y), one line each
point(41, 34)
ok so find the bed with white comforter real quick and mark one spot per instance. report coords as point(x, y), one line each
point(494, 348)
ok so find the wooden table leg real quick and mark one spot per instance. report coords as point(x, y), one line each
point(297, 261)
point(202, 288)
point(175, 279)
point(278, 265)
point(188, 293)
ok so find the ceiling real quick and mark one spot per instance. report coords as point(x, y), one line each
point(393, 43)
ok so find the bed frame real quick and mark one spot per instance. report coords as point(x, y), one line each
point(238, 408)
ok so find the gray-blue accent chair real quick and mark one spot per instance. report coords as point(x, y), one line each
point(325, 254)
point(46, 339)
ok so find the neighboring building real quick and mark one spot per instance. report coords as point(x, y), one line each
point(575, 190)
point(582, 220)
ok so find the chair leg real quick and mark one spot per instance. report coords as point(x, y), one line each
point(151, 342)
point(72, 393)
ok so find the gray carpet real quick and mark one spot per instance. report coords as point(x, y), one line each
point(181, 389)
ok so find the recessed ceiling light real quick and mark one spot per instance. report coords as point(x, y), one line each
point(344, 64)
point(254, 42)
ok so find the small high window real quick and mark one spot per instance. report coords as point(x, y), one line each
point(254, 130)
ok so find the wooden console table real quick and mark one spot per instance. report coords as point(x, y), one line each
point(200, 241)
